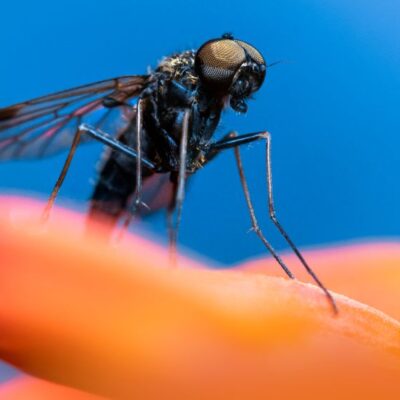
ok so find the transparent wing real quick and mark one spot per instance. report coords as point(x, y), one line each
point(46, 125)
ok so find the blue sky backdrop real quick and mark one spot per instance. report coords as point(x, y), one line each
point(332, 107)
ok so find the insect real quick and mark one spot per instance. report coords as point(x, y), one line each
point(158, 130)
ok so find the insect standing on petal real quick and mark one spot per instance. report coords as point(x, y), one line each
point(158, 130)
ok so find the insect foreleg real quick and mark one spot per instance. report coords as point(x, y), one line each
point(232, 140)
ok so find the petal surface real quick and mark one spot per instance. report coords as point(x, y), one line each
point(118, 321)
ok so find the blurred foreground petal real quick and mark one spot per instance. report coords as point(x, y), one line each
point(37, 389)
point(118, 322)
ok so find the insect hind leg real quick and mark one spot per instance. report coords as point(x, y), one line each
point(118, 147)
point(61, 177)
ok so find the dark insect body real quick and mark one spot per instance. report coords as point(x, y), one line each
point(158, 129)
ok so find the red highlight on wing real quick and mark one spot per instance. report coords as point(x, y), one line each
point(119, 323)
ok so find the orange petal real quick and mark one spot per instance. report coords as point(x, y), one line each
point(118, 322)
point(367, 272)
point(37, 389)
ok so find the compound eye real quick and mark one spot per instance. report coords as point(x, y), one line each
point(218, 60)
point(252, 52)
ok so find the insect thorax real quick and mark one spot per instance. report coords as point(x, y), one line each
point(180, 67)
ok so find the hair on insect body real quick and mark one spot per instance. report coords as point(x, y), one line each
point(158, 130)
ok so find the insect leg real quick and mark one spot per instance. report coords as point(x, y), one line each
point(180, 189)
point(139, 125)
point(61, 177)
point(233, 140)
point(139, 178)
point(101, 137)
point(274, 219)
point(115, 144)
point(253, 217)
point(172, 235)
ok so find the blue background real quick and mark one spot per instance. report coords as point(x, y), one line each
point(331, 106)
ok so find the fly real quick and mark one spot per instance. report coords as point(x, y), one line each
point(158, 130)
